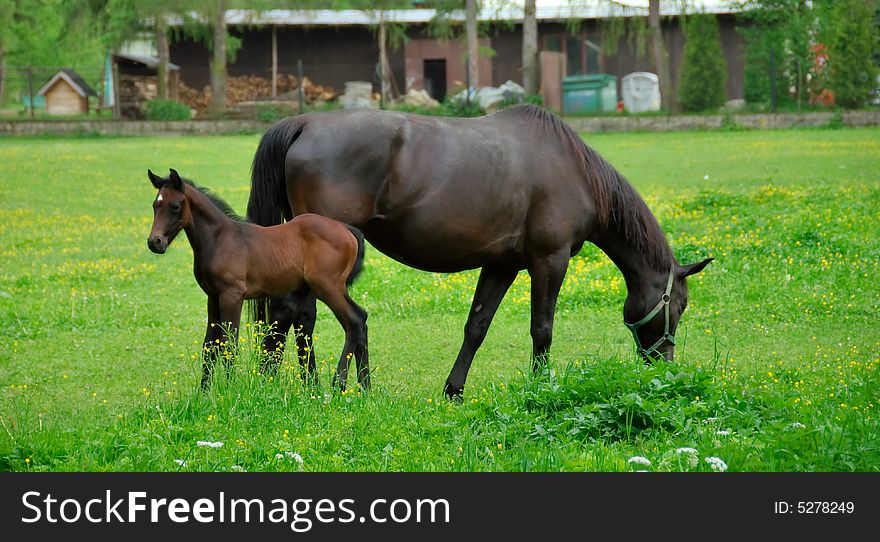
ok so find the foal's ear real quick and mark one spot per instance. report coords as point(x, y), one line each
point(175, 180)
point(157, 181)
point(693, 269)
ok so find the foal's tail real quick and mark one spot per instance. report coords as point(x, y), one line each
point(359, 261)
point(268, 203)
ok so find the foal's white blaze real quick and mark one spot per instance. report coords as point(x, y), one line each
point(159, 197)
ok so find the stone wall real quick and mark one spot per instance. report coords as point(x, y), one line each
point(581, 124)
point(716, 122)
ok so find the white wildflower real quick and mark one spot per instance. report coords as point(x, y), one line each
point(209, 444)
point(180, 462)
point(691, 456)
point(639, 460)
point(797, 425)
point(237, 468)
point(717, 463)
point(722, 432)
point(279, 456)
point(295, 456)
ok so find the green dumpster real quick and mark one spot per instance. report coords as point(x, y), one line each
point(594, 93)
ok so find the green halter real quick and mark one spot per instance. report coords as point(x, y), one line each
point(662, 304)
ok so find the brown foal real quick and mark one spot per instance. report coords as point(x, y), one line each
point(235, 260)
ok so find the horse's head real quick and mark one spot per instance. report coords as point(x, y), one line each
point(170, 211)
point(652, 313)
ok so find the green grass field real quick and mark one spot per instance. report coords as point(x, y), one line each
point(776, 369)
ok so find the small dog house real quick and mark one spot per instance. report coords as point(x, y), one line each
point(66, 93)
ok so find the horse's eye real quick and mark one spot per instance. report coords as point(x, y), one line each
point(175, 207)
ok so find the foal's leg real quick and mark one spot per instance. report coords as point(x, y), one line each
point(491, 287)
point(209, 347)
point(353, 321)
point(361, 352)
point(547, 275)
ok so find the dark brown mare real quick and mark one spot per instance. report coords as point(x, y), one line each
point(514, 190)
point(235, 260)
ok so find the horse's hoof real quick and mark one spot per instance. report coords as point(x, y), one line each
point(454, 393)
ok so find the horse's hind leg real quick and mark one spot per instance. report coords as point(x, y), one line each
point(304, 326)
point(353, 320)
point(282, 313)
point(491, 287)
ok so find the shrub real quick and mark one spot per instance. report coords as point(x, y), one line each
point(850, 33)
point(271, 113)
point(167, 110)
point(704, 70)
point(777, 50)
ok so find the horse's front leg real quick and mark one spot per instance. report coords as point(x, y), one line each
point(491, 287)
point(283, 312)
point(547, 274)
point(212, 337)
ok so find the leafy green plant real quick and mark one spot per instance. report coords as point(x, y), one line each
point(270, 113)
point(704, 70)
point(851, 35)
point(167, 110)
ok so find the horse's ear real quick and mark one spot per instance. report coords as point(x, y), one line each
point(157, 181)
point(693, 269)
point(175, 180)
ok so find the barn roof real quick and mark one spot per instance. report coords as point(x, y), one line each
point(547, 10)
point(73, 79)
point(151, 62)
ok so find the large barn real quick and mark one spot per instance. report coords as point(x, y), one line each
point(340, 46)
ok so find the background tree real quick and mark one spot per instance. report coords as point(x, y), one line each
point(7, 8)
point(703, 68)
point(778, 35)
point(473, 47)
point(661, 57)
point(530, 48)
point(850, 33)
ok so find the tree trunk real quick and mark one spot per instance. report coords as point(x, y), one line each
point(383, 60)
point(274, 61)
point(2, 73)
point(661, 58)
point(162, 50)
point(218, 63)
point(530, 48)
point(473, 47)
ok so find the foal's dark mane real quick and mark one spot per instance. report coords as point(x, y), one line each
point(218, 202)
point(618, 204)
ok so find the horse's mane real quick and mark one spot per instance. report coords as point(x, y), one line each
point(618, 204)
point(218, 202)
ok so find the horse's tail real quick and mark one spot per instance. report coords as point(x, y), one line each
point(268, 203)
point(359, 261)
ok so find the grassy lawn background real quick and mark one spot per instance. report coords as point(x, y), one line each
point(776, 367)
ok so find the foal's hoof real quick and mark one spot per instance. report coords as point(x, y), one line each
point(454, 393)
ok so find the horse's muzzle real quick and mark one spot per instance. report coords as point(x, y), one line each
point(157, 245)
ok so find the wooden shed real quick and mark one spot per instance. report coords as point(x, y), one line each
point(66, 93)
point(131, 80)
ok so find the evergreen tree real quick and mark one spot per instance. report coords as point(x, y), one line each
point(704, 69)
point(850, 34)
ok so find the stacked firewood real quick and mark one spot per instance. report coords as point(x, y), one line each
point(250, 88)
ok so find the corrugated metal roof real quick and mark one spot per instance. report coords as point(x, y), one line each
point(504, 11)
